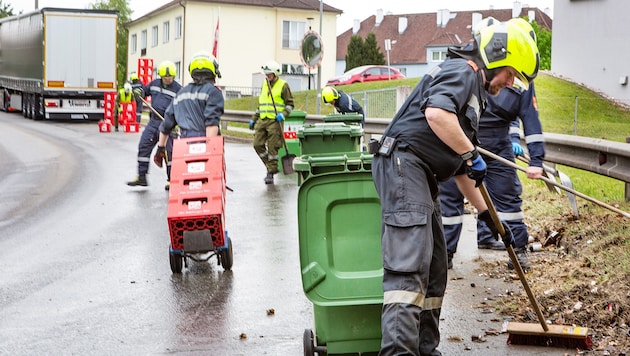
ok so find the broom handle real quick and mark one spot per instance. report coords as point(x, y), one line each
point(554, 183)
point(517, 265)
point(275, 110)
point(150, 107)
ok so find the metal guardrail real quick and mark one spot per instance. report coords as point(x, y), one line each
point(608, 158)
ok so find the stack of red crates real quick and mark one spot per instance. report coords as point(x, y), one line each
point(109, 100)
point(127, 117)
point(197, 193)
point(145, 70)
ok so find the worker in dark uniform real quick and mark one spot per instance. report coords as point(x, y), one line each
point(162, 92)
point(197, 108)
point(431, 138)
point(342, 102)
point(136, 84)
point(499, 133)
point(274, 104)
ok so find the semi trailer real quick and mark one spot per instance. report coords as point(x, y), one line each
point(57, 64)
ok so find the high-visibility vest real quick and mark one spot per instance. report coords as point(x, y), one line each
point(265, 104)
point(124, 98)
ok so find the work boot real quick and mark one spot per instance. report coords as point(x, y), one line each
point(450, 261)
point(523, 260)
point(269, 178)
point(491, 245)
point(141, 180)
point(168, 185)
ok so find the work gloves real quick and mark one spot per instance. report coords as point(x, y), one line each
point(138, 92)
point(280, 117)
point(476, 171)
point(508, 238)
point(160, 156)
point(251, 124)
point(516, 147)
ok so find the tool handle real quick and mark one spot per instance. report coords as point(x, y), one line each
point(510, 249)
point(554, 183)
point(150, 107)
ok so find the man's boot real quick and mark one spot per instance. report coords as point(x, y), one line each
point(523, 260)
point(269, 178)
point(141, 181)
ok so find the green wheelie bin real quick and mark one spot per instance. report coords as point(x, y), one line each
point(292, 124)
point(339, 217)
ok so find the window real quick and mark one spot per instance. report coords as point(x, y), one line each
point(134, 44)
point(166, 28)
point(154, 36)
point(143, 39)
point(178, 68)
point(438, 56)
point(178, 27)
point(292, 34)
point(293, 69)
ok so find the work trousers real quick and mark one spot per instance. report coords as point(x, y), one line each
point(452, 205)
point(414, 256)
point(268, 138)
point(148, 141)
point(504, 186)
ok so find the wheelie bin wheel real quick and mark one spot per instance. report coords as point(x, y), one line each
point(309, 345)
point(176, 260)
point(226, 256)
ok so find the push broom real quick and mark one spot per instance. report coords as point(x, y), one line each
point(534, 334)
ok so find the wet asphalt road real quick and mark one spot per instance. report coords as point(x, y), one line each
point(85, 268)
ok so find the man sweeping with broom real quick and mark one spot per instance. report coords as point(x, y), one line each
point(274, 104)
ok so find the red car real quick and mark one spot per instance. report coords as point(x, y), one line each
point(364, 74)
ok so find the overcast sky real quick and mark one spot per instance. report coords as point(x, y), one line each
point(352, 9)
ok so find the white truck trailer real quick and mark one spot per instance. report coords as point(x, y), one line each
point(56, 64)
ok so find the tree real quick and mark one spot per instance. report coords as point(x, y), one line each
point(124, 16)
point(543, 38)
point(6, 10)
point(362, 52)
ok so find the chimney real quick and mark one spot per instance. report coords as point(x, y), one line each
point(443, 16)
point(379, 17)
point(516, 10)
point(356, 27)
point(476, 18)
point(531, 14)
point(402, 24)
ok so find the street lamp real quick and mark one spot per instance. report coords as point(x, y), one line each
point(388, 47)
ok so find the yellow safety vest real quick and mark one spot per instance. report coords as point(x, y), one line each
point(265, 104)
point(124, 98)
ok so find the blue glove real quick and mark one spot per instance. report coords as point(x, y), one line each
point(477, 171)
point(280, 117)
point(516, 147)
point(251, 124)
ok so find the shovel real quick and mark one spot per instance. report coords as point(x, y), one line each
point(287, 159)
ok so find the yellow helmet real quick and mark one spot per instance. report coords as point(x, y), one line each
point(507, 44)
point(167, 69)
point(329, 94)
point(133, 76)
point(271, 67)
point(203, 62)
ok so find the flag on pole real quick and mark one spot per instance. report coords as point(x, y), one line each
point(215, 46)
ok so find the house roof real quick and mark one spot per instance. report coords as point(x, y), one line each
point(423, 31)
point(289, 4)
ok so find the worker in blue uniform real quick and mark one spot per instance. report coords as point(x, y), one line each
point(342, 102)
point(162, 92)
point(431, 138)
point(197, 108)
point(499, 132)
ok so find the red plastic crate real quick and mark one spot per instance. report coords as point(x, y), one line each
point(209, 166)
point(109, 96)
point(131, 127)
point(196, 213)
point(198, 146)
point(104, 126)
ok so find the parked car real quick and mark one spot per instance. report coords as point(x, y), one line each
point(369, 73)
